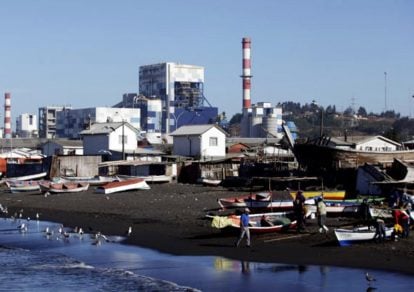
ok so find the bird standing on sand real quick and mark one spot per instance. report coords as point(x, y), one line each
point(369, 278)
point(22, 227)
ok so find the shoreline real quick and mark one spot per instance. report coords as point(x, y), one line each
point(171, 218)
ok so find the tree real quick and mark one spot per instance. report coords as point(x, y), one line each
point(236, 119)
point(349, 112)
point(362, 112)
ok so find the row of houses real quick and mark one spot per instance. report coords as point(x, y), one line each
point(113, 147)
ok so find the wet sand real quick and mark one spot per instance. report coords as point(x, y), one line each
point(171, 218)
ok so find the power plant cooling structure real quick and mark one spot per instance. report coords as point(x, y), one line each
point(7, 116)
point(246, 76)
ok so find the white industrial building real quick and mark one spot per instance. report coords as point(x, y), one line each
point(176, 85)
point(71, 122)
point(262, 120)
point(26, 126)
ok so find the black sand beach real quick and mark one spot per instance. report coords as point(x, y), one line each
point(171, 219)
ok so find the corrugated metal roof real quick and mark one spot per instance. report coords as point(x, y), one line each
point(105, 128)
point(190, 130)
point(67, 143)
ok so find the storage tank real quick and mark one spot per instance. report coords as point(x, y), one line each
point(270, 125)
point(256, 127)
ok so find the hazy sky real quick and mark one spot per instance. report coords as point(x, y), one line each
point(86, 53)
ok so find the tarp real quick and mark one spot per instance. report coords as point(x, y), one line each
point(220, 222)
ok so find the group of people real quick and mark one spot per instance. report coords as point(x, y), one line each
point(300, 212)
point(401, 216)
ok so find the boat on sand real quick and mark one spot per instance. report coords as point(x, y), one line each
point(276, 222)
point(23, 186)
point(358, 234)
point(123, 185)
point(53, 187)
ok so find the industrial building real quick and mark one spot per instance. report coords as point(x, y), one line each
point(70, 122)
point(26, 126)
point(47, 120)
point(180, 88)
point(261, 119)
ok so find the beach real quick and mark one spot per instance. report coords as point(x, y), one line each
point(171, 218)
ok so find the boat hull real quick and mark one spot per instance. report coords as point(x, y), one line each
point(57, 188)
point(280, 221)
point(122, 186)
point(348, 236)
point(317, 156)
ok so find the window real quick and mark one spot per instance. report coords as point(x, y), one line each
point(213, 141)
point(120, 141)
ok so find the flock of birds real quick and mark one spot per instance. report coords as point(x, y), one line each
point(59, 232)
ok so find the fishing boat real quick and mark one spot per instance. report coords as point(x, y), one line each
point(123, 185)
point(349, 152)
point(23, 186)
point(91, 180)
point(276, 222)
point(358, 234)
point(53, 187)
point(28, 177)
point(327, 195)
point(209, 181)
point(276, 201)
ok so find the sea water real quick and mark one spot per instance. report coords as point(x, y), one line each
point(33, 260)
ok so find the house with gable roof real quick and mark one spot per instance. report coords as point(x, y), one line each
point(116, 139)
point(204, 142)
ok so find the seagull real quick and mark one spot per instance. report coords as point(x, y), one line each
point(37, 216)
point(22, 227)
point(129, 232)
point(48, 231)
point(369, 278)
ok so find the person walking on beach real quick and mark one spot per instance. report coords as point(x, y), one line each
point(321, 213)
point(244, 228)
point(299, 208)
point(379, 230)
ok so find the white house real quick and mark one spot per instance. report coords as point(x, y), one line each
point(366, 143)
point(200, 141)
point(118, 140)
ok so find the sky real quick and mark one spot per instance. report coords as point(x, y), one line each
point(86, 53)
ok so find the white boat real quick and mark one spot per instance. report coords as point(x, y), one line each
point(358, 234)
point(55, 188)
point(149, 178)
point(28, 177)
point(210, 181)
point(123, 185)
point(23, 186)
point(91, 180)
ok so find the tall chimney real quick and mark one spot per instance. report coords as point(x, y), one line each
point(246, 72)
point(7, 116)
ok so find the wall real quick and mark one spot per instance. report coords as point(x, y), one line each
point(213, 151)
point(93, 143)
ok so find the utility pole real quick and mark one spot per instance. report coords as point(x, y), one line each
point(385, 90)
point(123, 140)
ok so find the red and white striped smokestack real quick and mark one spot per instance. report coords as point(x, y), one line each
point(246, 72)
point(7, 116)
